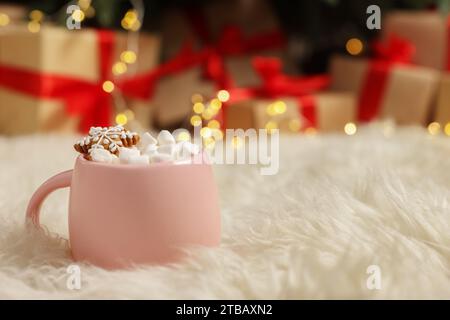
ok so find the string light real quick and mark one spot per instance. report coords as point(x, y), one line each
point(34, 26)
point(270, 110)
point(447, 129)
point(183, 136)
point(207, 114)
point(236, 142)
point(198, 107)
point(434, 128)
point(209, 143)
point(119, 68)
point(4, 19)
point(215, 104)
point(196, 121)
point(270, 126)
point(214, 124)
point(205, 132)
point(136, 26)
point(78, 15)
point(36, 15)
point(223, 95)
point(279, 107)
point(108, 86)
point(217, 134)
point(350, 128)
point(128, 57)
point(354, 46)
point(294, 125)
point(121, 119)
point(130, 21)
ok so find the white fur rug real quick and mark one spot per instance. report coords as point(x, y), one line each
point(339, 204)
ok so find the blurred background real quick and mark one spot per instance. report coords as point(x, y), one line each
point(304, 67)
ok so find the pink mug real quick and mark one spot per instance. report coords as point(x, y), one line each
point(122, 215)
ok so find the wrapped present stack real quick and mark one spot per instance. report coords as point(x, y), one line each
point(219, 64)
point(388, 86)
point(288, 103)
point(429, 32)
point(61, 80)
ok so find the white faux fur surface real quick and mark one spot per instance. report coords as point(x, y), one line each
point(339, 204)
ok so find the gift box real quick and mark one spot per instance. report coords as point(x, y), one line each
point(442, 114)
point(172, 100)
point(428, 31)
point(397, 91)
point(288, 103)
point(11, 14)
point(54, 80)
point(179, 80)
point(326, 111)
point(230, 60)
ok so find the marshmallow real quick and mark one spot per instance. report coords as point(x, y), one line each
point(101, 155)
point(144, 159)
point(164, 137)
point(160, 157)
point(162, 149)
point(150, 149)
point(169, 149)
point(147, 139)
point(126, 153)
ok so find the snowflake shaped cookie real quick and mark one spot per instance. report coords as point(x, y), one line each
point(108, 138)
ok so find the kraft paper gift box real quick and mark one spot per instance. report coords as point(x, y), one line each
point(404, 93)
point(325, 111)
point(442, 112)
point(429, 33)
point(229, 62)
point(241, 72)
point(42, 72)
point(172, 98)
point(237, 27)
point(11, 14)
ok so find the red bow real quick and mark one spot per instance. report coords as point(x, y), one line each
point(232, 42)
point(142, 86)
point(275, 83)
point(396, 50)
point(81, 97)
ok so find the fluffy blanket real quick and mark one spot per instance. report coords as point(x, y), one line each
point(341, 211)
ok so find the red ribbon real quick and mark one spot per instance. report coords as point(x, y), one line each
point(395, 51)
point(277, 85)
point(232, 43)
point(142, 86)
point(307, 107)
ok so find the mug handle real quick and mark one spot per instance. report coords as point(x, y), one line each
point(61, 180)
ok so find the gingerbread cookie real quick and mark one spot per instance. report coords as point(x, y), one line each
point(108, 138)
